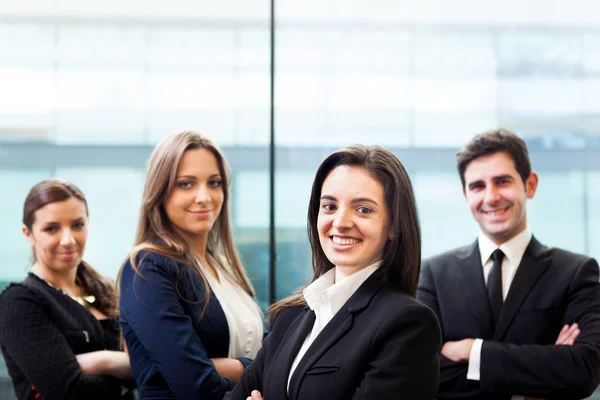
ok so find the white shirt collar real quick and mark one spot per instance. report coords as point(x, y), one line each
point(513, 249)
point(324, 289)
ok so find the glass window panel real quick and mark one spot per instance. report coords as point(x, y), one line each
point(372, 50)
point(253, 49)
point(540, 96)
point(446, 222)
point(551, 222)
point(26, 103)
point(97, 47)
point(191, 49)
point(114, 197)
point(531, 54)
point(252, 103)
point(591, 53)
point(203, 103)
point(454, 54)
point(100, 106)
point(15, 250)
point(593, 220)
point(454, 94)
point(454, 129)
point(27, 45)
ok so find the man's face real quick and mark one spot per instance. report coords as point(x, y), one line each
point(496, 195)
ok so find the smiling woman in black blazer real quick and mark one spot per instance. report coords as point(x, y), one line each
point(356, 331)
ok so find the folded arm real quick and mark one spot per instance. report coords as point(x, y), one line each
point(151, 306)
point(42, 353)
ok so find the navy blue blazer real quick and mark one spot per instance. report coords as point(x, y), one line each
point(169, 339)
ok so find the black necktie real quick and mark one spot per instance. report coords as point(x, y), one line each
point(494, 285)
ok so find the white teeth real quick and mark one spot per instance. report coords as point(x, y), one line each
point(497, 212)
point(338, 240)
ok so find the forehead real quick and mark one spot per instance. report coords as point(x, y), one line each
point(199, 161)
point(489, 166)
point(351, 182)
point(59, 211)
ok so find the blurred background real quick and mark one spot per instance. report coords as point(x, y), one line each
point(87, 89)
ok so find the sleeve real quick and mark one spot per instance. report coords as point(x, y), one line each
point(550, 371)
point(473, 371)
point(41, 352)
point(150, 304)
point(405, 360)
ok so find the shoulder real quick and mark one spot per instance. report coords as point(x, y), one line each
point(447, 258)
point(401, 311)
point(150, 261)
point(568, 257)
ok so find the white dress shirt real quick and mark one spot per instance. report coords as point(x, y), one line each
point(326, 297)
point(513, 254)
point(243, 315)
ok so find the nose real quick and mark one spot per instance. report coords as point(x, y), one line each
point(67, 238)
point(342, 219)
point(202, 194)
point(492, 195)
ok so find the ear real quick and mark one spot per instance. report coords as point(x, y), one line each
point(28, 235)
point(531, 185)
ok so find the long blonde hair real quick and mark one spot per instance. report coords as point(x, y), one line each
point(155, 232)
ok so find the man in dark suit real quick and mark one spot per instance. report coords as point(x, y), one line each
point(520, 320)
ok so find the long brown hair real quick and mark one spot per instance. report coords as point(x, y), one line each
point(92, 283)
point(155, 232)
point(401, 258)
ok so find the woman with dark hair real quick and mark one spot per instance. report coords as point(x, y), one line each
point(356, 331)
point(59, 332)
point(188, 311)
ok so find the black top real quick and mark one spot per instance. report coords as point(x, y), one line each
point(41, 331)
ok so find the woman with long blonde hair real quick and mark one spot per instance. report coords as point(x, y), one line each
point(188, 311)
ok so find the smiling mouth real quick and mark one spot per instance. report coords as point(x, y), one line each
point(494, 213)
point(344, 241)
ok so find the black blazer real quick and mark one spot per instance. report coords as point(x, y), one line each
point(171, 332)
point(381, 344)
point(41, 331)
point(552, 287)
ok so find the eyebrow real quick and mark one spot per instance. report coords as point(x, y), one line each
point(58, 223)
point(194, 177)
point(357, 200)
point(494, 178)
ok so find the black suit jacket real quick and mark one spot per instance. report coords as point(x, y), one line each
point(551, 288)
point(381, 345)
point(41, 331)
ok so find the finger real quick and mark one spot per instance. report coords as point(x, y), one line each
point(256, 395)
point(571, 339)
point(565, 333)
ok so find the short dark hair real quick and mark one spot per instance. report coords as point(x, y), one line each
point(494, 141)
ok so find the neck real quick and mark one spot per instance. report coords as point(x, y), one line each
point(60, 280)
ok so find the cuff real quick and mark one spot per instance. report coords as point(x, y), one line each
point(475, 361)
point(245, 361)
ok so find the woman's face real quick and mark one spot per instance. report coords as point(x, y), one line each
point(353, 219)
point(196, 201)
point(58, 235)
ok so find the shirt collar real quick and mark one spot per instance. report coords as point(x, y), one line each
point(513, 249)
point(324, 288)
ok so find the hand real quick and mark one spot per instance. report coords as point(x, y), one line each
point(255, 395)
point(458, 351)
point(229, 368)
point(568, 335)
point(94, 363)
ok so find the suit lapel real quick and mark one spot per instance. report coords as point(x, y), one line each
point(536, 260)
point(288, 349)
point(335, 329)
point(474, 286)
